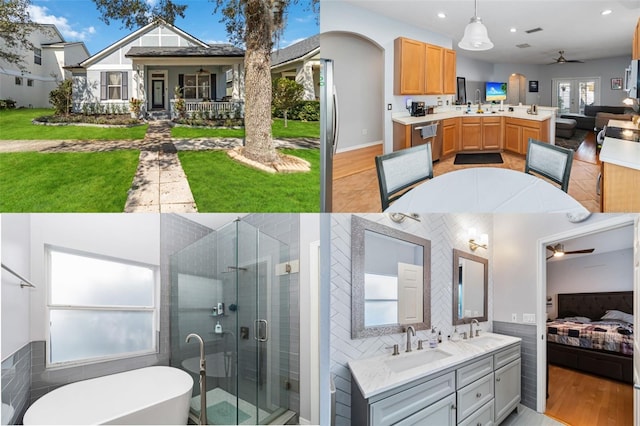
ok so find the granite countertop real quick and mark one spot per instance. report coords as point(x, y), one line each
point(518, 113)
point(374, 376)
point(620, 152)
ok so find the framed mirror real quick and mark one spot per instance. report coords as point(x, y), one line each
point(470, 287)
point(461, 92)
point(391, 280)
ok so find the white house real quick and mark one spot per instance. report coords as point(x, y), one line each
point(151, 62)
point(42, 68)
point(300, 62)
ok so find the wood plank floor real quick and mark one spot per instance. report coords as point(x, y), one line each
point(359, 192)
point(580, 399)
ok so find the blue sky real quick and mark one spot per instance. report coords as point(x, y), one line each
point(78, 20)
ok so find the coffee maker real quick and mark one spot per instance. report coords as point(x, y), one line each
point(417, 109)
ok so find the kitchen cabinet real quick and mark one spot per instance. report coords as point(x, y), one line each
point(518, 131)
point(481, 133)
point(635, 53)
point(423, 69)
point(619, 189)
point(450, 132)
point(409, 67)
point(484, 391)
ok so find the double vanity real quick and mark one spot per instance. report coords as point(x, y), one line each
point(470, 382)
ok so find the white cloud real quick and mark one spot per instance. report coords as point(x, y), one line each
point(217, 41)
point(41, 15)
point(151, 2)
point(295, 41)
point(304, 19)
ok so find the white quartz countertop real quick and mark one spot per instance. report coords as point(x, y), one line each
point(618, 151)
point(408, 120)
point(374, 376)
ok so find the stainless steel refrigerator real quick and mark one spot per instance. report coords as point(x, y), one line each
point(328, 132)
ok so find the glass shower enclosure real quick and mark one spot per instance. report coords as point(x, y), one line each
point(231, 288)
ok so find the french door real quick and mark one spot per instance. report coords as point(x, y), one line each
point(571, 95)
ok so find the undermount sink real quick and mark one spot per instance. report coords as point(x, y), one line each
point(483, 340)
point(400, 364)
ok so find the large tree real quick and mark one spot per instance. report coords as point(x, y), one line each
point(15, 27)
point(256, 24)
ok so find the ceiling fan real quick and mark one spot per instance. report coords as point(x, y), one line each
point(558, 250)
point(562, 60)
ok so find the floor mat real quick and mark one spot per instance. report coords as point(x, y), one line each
point(483, 158)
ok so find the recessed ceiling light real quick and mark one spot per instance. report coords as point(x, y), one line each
point(441, 15)
point(513, 30)
point(606, 12)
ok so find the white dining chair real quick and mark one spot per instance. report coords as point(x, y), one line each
point(551, 161)
point(401, 169)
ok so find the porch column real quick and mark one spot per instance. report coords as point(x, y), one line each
point(304, 76)
point(237, 92)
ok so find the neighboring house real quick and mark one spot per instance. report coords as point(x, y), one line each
point(300, 62)
point(151, 62)
point(42, 68)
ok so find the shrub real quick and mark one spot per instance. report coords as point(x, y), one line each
point(61, 97)
point(303, 111)
point(7, 104)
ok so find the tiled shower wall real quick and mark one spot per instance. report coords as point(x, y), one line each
point(445, 232)
point(286, 228)
point(16, 380)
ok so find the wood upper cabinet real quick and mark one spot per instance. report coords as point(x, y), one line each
point(423, 69)
point(450, 132)
point(409, 67)
point(635, 53)
point(434, 83)
point(449, 71)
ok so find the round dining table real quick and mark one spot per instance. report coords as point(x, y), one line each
point(485, 190)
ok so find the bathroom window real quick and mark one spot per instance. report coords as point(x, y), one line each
point(381, 299)
point(99, 307)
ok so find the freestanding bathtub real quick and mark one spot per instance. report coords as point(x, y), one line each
point(151, 395)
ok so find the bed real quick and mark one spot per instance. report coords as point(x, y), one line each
point(600, 347)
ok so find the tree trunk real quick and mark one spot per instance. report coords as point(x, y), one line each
point(257, 62)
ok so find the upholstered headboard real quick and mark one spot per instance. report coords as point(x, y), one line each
point(594, 305)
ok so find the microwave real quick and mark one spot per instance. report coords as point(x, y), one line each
point(632, 79)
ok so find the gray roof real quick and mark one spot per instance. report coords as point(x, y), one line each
point(295, 51)
point(176, 52)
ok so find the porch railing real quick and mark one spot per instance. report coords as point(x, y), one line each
point(233, 109)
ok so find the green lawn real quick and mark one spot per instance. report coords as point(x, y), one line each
point(294, 129)
point(16, 124)
point(220, 184)
point(66, 182)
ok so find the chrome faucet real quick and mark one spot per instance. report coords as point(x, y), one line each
point(471, 327)
point(203, 378)
point(410, 331)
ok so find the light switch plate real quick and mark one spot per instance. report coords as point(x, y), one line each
point(529, 318)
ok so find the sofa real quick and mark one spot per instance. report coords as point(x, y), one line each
point(587, 121)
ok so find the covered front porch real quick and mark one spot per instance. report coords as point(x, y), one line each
point(183, 82)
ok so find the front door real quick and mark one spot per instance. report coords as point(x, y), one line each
point(157, 94)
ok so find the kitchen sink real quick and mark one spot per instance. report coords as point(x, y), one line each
point(401, 363)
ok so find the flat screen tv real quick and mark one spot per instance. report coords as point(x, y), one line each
point(496, 91)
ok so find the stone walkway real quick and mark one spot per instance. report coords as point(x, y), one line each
point(160, 185)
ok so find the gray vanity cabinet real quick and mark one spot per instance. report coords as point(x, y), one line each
point(482, 391)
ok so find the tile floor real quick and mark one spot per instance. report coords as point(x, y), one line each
point(360, 193)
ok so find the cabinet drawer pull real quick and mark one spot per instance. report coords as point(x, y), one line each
point(498, 379)
point(478, 395)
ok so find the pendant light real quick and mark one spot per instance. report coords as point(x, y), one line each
point(475, 35)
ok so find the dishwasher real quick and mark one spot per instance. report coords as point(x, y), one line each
point(422, 133)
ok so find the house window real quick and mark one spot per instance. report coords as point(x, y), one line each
point(99, 308)
point(18, 81)
point(37, 56)
point(381, 299)
point(30, 82)
point(197, 86)
point(113, 85)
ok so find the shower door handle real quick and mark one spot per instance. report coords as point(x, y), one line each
point(261, 337)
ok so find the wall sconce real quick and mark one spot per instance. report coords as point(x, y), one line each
point(476, 240)
point(400, 217)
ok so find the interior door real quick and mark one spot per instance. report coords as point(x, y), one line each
point(157, 94)
point(571, 95)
